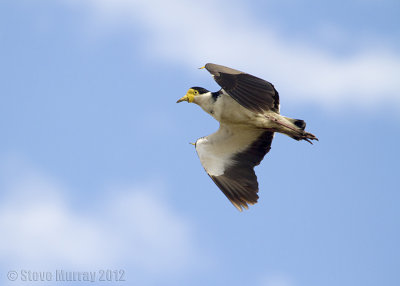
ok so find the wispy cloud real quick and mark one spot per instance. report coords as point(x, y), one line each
point(132, 227)
point(191, 34)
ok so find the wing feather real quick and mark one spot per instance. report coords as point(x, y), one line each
point(229, 157)
point(254, 93)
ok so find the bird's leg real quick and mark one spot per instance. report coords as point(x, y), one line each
point(276, 120)
point(299, 134)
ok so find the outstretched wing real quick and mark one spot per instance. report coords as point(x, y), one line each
point(229, 157)
point(252, 92)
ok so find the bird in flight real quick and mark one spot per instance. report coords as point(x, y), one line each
point(247, 109)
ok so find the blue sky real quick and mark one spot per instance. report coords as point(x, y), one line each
point(95, 167)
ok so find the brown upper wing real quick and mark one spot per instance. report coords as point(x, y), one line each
point(252, 92)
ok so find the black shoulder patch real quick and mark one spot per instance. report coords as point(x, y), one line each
point(216, 94)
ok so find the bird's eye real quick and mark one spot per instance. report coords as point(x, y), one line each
point(196, 92)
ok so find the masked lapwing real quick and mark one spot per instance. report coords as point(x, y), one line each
point(247, 109)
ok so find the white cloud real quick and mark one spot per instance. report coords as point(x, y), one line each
point(131, 227)
point(193, 33)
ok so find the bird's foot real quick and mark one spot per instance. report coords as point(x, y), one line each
point(308, 137)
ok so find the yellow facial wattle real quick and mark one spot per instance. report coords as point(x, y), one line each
point(189, 97)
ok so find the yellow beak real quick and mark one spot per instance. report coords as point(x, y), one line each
point(189, 97)
point(185, 98)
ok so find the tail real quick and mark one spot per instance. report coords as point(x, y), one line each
point(301, 135)
point(298, 122)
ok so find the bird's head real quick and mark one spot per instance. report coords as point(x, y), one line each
point(192, 93)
